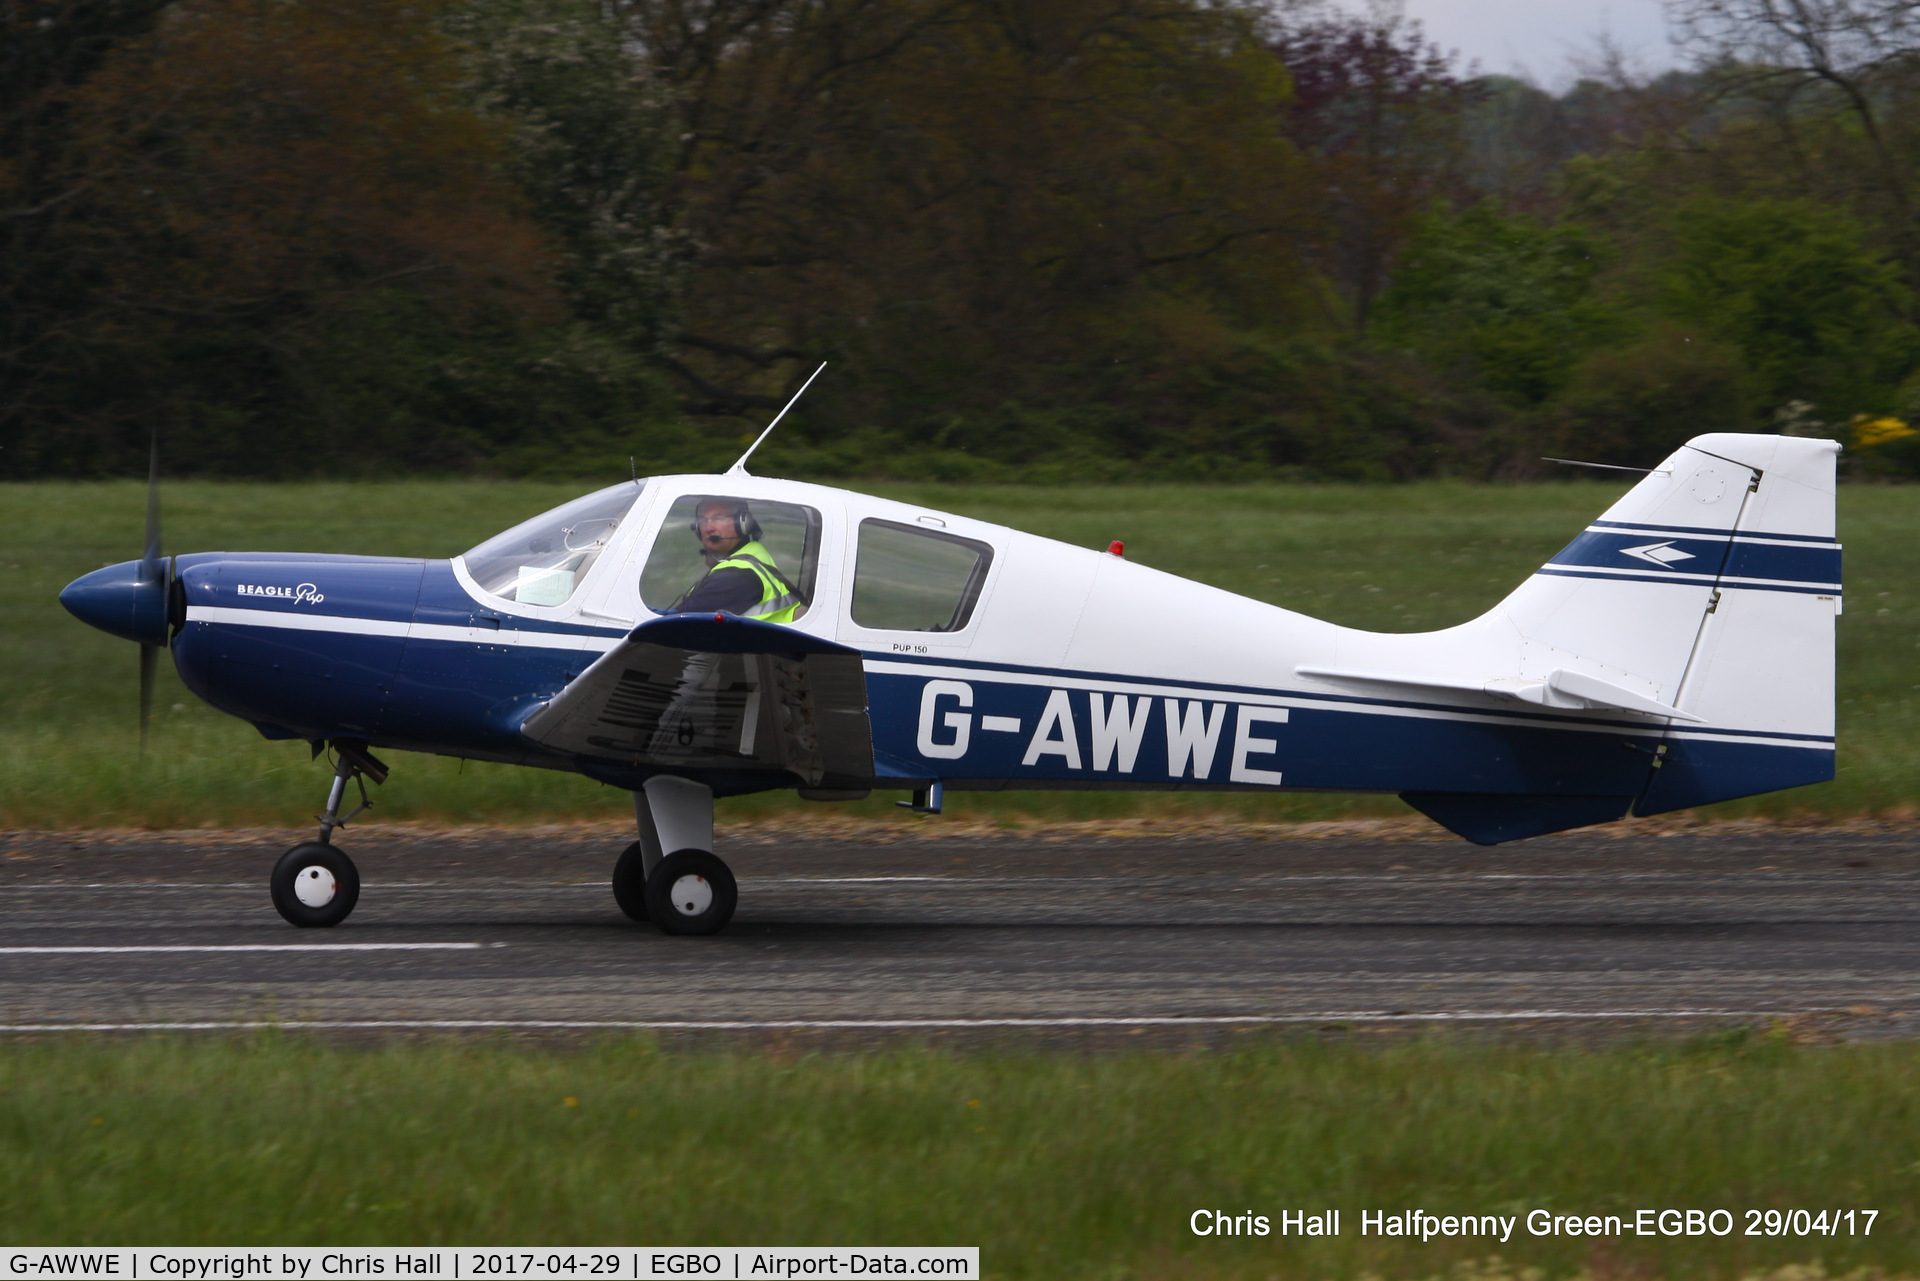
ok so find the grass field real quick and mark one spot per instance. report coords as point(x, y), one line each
point(1392, 558)
point(1057, 1166)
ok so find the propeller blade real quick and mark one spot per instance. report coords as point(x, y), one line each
point(152, 570)
point(150, 562)
point(148, 655)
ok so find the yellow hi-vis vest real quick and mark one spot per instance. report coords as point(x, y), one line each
point(779, 600)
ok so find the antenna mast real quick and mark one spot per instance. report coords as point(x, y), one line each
point(740, 468)
point(1575, 462)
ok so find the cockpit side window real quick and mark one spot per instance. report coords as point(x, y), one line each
point(915, 580)
point(787, 533)
point(544, 560)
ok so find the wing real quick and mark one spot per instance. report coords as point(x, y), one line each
point(715, 691)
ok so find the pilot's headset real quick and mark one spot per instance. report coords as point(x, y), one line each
point(743, 521)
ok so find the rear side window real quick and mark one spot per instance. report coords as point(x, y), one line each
point(915, 580)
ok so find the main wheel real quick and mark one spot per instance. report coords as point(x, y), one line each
point(630, 883)
point(691, 892)
point(315, 885)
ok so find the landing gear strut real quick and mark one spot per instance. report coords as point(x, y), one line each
point(314, 885)
point(670, 875)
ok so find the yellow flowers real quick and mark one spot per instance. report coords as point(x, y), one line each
point(1869, 432)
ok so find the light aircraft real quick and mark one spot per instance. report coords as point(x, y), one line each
point(1677, 651)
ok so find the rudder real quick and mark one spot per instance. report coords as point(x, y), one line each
point(1761, 673)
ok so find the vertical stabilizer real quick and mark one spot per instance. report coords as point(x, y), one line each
point(1626, 599)
point(1710, 589)
point(1711, 586)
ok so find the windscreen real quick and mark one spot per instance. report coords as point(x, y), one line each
point(544, 560)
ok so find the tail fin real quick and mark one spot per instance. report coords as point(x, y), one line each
point(1711, 587)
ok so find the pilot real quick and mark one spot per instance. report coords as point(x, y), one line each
point(742, 577)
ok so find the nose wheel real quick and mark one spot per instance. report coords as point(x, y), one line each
point(315, 885)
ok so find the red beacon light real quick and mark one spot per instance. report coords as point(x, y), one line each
point(1116, 548)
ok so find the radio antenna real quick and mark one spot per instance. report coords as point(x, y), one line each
point(740, 468)
point(1575, 462)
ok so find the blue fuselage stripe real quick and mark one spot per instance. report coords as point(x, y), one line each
point(1651, 557)
point(983, 732)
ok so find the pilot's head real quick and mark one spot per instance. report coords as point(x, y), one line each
point(723, 525)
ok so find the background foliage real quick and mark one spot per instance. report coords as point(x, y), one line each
point(1108, 238)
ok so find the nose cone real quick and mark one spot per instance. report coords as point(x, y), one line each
point(128, 600)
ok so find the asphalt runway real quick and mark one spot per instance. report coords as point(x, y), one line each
point(895, 933)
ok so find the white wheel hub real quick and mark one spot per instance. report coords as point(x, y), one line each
point(691, 895)
point(315, 885)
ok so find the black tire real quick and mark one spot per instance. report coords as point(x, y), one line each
point(311, 861)
point(718, 891)
point(630, 883)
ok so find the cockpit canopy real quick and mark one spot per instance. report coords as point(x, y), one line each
point(900, 576)
point(543, 560)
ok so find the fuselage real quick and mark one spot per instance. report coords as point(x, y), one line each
point(1678, 651)
point(1070, 667)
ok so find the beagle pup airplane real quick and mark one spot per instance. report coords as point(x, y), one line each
point(689, 637)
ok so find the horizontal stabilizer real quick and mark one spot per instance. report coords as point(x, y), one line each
point(1574, 691)
point(706, 691)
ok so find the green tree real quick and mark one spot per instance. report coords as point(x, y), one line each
point(1504, 303)
point(1814, 312)
point(245, 179)
point(974, 209)
point(593, 143)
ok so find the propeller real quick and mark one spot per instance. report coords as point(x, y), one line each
point(153, 570)
point(129, 600)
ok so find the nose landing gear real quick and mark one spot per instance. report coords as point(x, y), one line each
point(314, 885)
